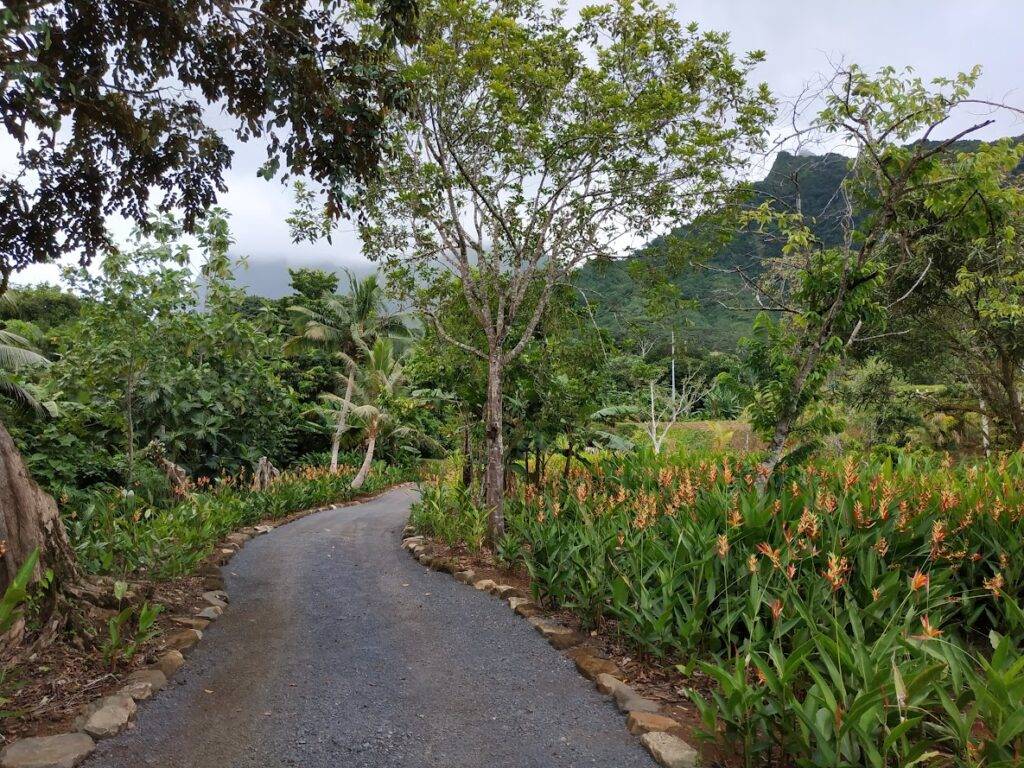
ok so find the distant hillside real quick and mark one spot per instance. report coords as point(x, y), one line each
point(718, 319)
point(722, 304)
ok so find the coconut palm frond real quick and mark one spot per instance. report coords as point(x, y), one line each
point(326, 327)
point(348, 362)
point(16, 352)
point(365, 411)
point(26, 400)
point(396, 326)
point(312, 314)
point(365, 295)
point(333, 399)
point(359, 340)
point(10, 337)
point(322, 333)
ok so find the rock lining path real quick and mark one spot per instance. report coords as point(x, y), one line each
point(339, 650)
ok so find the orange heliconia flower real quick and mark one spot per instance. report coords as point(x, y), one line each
point(808, 525)
point(774, 555)
point(849, 474)
point(919, 581)
point(722, 545)
point(938, 536)
point(858, 514)
point(827, 501)
point(927, 630)
point(835, 574)
point(735, 516)
point(582, 492)
point(995, 584)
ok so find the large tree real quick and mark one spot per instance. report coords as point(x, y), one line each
point(969, 302)
point(905, 186)
point(107, 102)
point(536, 145)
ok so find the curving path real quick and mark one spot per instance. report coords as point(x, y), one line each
point(341, 651)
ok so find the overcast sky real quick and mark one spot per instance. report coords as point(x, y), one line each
point(800, 37)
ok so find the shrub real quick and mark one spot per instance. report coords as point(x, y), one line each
point(119, 532)
point(450, 513)
point(858, 613)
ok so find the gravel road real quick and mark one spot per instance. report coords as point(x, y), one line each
point(340, 650)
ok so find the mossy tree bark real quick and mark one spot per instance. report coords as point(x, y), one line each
point(29, 520)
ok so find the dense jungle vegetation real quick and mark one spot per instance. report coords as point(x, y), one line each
point(778, 446)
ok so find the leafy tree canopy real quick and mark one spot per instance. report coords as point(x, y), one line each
point(106, 103)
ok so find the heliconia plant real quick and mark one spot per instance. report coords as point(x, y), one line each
point(845, 613)
point(119, 533)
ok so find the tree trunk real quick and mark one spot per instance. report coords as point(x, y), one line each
point(264, 475)
point(371, 443)
point(467, 457)
point(1015, 413)
point(494, 428)
point(29, 520)
point(776, 450)
point(784, 423)
point(538, 460)
point(342, 421)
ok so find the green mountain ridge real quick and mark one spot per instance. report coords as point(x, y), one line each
point(723, 306)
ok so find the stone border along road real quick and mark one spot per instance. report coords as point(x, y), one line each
point(660, 734)
point(338, 650)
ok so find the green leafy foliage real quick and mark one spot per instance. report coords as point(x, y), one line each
point(283, 72)
point(454, 517)
point(125, 637)
point(119, 533)
point(16, 594)
point(844, 617)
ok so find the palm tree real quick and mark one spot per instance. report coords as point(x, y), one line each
point(15, 354)
point(348, 324)
point(381, 382)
